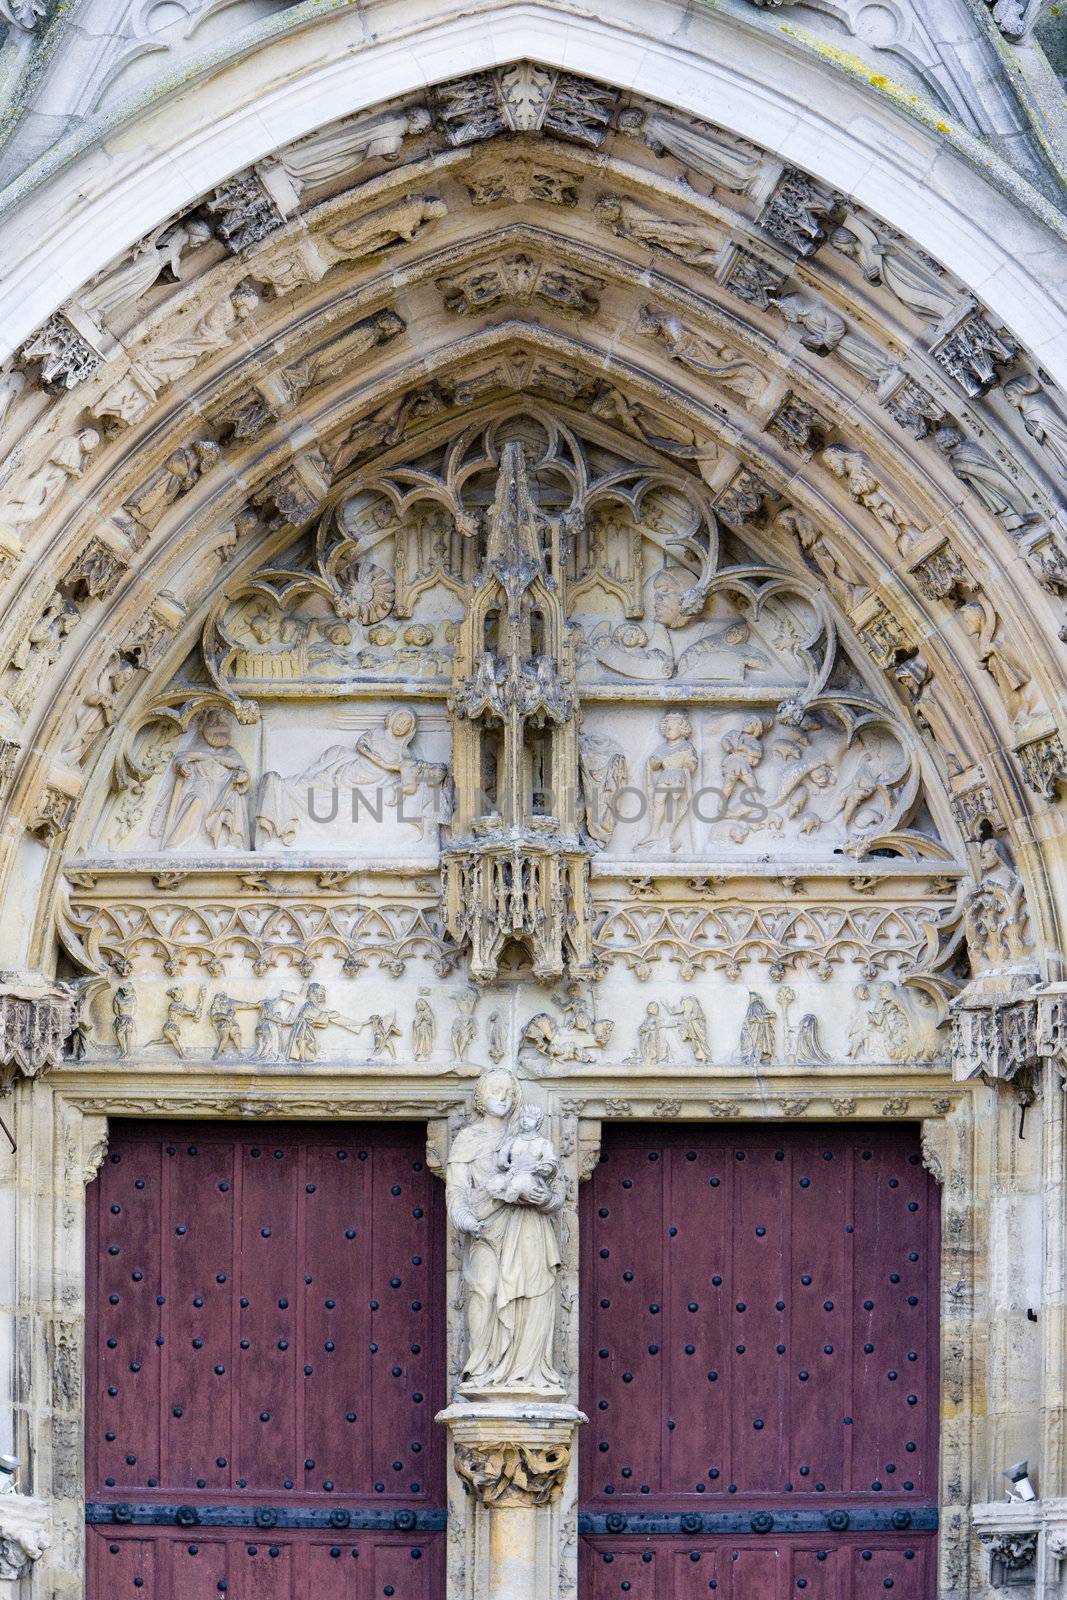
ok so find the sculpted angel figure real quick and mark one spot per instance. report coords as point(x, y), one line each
point(161, 252)
point(692, 242)
point(341, 149)
point(914, 284)
point(201, 803)
point(392, 225)
point(502, 1197)
point(1040, 417)
point(728, 162)
point(700, 353)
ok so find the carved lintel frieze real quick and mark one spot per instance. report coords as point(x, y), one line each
point(36, 1019)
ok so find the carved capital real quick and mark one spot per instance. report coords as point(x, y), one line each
point(36, 1019)
point(513, 1475)
point(24, 1534)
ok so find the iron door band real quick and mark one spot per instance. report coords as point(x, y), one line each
point(125, 1514)
point(860, 1519)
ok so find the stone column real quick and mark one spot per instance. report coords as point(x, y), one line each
point(513, 1457)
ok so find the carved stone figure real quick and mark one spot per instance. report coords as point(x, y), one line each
point(423, 1030)
point(692, 1026)
point(341, 149)
point(38, 650)
point(274, 1018)
point(701, 353)
point(757, 1043)
point(182, 468)
point(101, 703)
point(1041, 419)
point(178, 1012)
point(1021, 695)
point(825, 331)
point(122, 286)
point(495, 1037)
point(123, 1007)
point(855, 471)
point(916, 285)
point(223, 1016)
point(164, 362)
point(975, 467)
point(670, 772)
point(827, 553)
point(24, 1521)
point(463, 1024)
point(604, 772)
point(579, 1037)
point(314, 1015)
point(392, 225)
point(201, 802)
point(695, 243)
point(65, 463)
point(502, 1194)
point(730, 163)
point(993, 909)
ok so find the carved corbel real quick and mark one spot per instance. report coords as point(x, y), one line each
point(36, 1019)
point(996, 1041)
point(588, 1148)
point(513, 1475)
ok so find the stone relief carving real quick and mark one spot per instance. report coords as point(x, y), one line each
point(702, 353)
point(503, 1192)
point(523, 279)
point(696, 243)
point(990, 482)
point(729, 162)
point(1042, 421)
point(119, 288)
point(201, 803)
point(62, 354)
point(388, 227)
point(912, 279)
point(795, 213)
point(64, 464)
point(521, 1475)
point(343, 148)
point(854, 469)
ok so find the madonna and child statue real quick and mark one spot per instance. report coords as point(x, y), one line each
point(504, 1194)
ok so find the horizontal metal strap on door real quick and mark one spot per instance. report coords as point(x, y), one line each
point(860, 1519)
point(360, 1518)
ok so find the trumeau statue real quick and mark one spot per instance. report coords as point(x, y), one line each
point(503, 1193)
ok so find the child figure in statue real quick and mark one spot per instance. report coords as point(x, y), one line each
point(529, 1162)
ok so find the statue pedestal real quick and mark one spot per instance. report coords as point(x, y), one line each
point(513, 1457)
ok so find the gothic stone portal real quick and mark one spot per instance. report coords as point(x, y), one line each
point(759, 1364)
point(264, 1361)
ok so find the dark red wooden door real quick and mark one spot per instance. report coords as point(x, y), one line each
point(759, 1365)
point(264, 1361)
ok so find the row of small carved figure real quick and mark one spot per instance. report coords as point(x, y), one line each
point(887, 1026)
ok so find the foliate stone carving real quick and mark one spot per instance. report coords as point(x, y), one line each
point(795, 212)
point(63, 356)
point(749, 277)
point(517, 180)
point(503, 1192)
point(744, 498)
point(24, 1532)
point(518, 1475)
point(1044, 764)
point(36, 1020)
point(1017, 19)
point(245, 212)
point(525, 98)
point(970, 350)
point(705, 354)
point(96, 572)
point(799, 426)
point(522, 279)
point(1013, 1551)
point(909, 404)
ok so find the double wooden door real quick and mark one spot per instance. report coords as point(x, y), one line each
point(265, 1359)
point(759, 1365)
